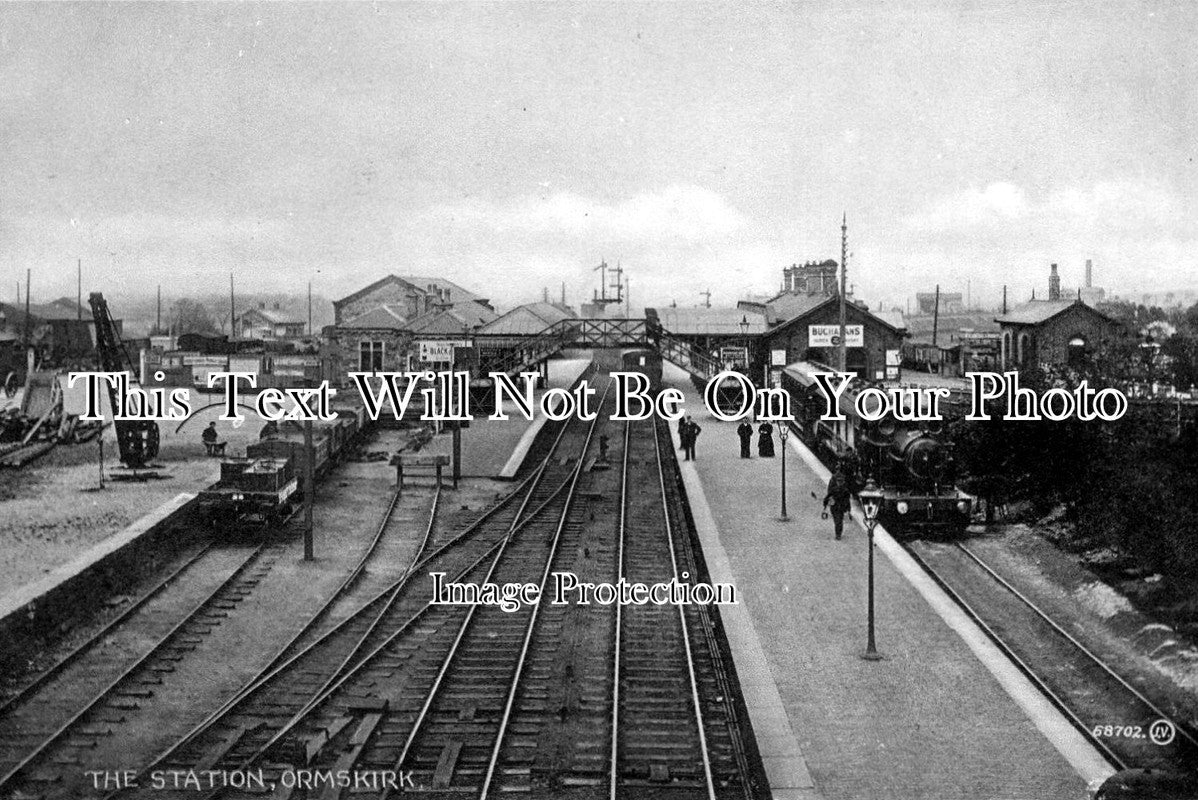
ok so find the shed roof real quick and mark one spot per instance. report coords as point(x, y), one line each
point(711, 321)
point(527, 319)
point(1035, 312)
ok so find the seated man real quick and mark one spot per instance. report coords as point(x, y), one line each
point(211, 445)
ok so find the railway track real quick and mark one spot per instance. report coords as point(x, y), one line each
point(674, 729)
point(31, 686)
point(66, 715)
point(57, 718)
point(357, 669)
point(1130, 729)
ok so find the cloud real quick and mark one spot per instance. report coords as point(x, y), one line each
point(690, 213)
point(994, 205)
point(1121, 205)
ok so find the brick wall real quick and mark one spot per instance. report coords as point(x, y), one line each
point(878, 339)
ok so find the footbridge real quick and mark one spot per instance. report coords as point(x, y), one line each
point(514, 354)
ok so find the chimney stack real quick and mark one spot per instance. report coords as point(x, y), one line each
point(1054, 284)
point(1089, 273)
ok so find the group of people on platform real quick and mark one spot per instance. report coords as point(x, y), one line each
point(765, 440)
point(688, 433)
point(843, 485)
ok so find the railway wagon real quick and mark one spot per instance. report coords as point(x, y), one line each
point(911, 462)
point(251, 490)
point(265, 485)
point(644, 361)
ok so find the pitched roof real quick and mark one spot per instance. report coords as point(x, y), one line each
point(272, 316)
point(456, 293)
point(1035, 312)
point(45, 312)
point(417, 284)
point(383, 316)
point(852, 309)
point(788, 305)
point(453, 320)
point(527, 319)
point(711, 321)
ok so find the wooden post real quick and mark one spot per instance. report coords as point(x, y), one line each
point(398, 476)
point(457, 455)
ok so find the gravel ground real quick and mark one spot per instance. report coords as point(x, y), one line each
point(51, 510)
point(1152, 655)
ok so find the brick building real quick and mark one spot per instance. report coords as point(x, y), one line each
point(404, 297)
point(874, 343)
point(380, 327)
point(1054, 332)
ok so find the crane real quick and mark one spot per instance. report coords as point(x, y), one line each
point(137, 439)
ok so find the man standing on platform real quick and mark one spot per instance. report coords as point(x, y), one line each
point(745, 432)
point(838, 495)
point(689, 437)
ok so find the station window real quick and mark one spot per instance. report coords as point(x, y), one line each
point(370, 356)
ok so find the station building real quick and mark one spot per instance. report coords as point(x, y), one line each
point(1057, 332)
point(269, 324)
point(401, 323)
point(874, 341)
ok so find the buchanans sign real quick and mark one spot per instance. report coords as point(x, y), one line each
point(829, 335)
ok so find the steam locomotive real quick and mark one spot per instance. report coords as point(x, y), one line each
point(911, 462)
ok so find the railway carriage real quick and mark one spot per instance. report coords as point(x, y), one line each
point(911, 462)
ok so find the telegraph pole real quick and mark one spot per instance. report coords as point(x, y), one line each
point(309, 487)
point(232, 311)
point(844, 254)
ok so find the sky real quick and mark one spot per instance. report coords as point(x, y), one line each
point(510, 147)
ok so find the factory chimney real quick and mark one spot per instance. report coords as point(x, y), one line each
point(1089, 273)
point(1054, 284)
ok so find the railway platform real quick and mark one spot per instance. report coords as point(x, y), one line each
point(497, 448)
point(939, 717)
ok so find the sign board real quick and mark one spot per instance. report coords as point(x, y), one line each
point(736, 356)
point(829, 335)
point(894, 358)
point(439, 351)
point(778, 358)
point(776, 378)
point(892, 373)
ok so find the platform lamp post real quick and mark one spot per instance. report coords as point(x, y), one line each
point(783, 431)
point(871, 503)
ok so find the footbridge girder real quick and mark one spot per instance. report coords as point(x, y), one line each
point(515, 354)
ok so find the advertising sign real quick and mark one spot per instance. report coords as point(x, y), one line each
point(736, 356)
point(778, 358)
point(829, 335)
point(439, 351)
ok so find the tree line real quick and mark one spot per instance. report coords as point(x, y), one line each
point(1130, 485)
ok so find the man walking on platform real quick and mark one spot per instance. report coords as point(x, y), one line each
point(838, 495)
point(745, 432)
